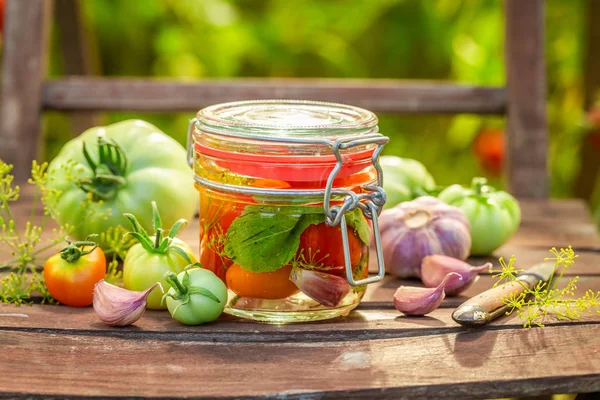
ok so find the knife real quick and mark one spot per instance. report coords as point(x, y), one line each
point(486, 306)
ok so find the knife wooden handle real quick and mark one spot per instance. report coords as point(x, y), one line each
point(488, 305)
point(491, 299)
point(484, 307)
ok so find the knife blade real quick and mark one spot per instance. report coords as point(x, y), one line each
point(486, 306)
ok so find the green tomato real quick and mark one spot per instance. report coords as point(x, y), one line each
point(120, 168)
point(196, 296)
point(404, 179)
point(142, 269)
point(494, 215)
point(147, 261)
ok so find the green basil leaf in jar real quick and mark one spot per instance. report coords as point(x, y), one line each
point(265, 238)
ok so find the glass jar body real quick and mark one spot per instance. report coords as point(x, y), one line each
point(274, 179)
point(255, 246)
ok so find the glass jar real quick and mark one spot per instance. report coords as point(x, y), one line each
point(289, 197)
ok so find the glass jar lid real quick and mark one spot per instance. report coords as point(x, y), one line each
point(286, 119)
point(278, 136)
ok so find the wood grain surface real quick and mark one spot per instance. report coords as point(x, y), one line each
point(376, 95)
point(527, 141)
point(79, 53)
point(375, 352)
point(23, 71)
point(488, 363)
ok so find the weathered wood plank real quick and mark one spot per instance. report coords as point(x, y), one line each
point(472, 364)
point(563, 210)
point(381, 293)
point(79, 54)
point(586, 179)
point(376, 317)
point(23, 70)
point(377, 95)
point(527, 150)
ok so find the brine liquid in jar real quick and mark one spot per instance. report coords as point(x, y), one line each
point(261, 172)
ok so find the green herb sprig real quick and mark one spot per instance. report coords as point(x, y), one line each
point(24, 245)
point(534, 305)
point(26, 249)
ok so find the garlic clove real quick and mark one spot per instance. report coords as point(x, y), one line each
point(116, 306)
point(434, 268)
point(325, 289)
point(412, 300)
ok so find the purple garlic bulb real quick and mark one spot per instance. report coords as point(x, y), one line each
point(415, 229)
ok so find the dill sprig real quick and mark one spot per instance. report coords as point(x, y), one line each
point(117, 244)
point(534, 305)
point(24, 244)
point(26, 248)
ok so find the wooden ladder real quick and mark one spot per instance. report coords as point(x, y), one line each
point(26, 92)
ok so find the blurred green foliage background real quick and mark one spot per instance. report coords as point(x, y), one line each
point(457, 40)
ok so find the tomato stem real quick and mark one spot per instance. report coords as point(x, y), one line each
point(479, 186)
point(161, 243)
point(108, 171)
point(75, 250)
point(172, 280)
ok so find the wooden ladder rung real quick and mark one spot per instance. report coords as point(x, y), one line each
point(395, 96)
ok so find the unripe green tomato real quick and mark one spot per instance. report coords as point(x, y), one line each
point(142, 269)
point(143, 164)
point(404, 179)
point(199, 308)
point(494, 215)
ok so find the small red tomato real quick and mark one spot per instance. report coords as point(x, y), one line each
point(593, 119)
point(489, 149)
point(72, 273)
point(212, 256)
point(215, 222)
point(321, 248)
point(2, 5)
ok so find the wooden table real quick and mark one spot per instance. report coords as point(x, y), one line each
point(375, 352)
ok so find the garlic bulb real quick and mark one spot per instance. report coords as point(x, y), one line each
point(412, 300)
point(325, 289)
point(415, 229)
point(117, 306)
point(435, 268)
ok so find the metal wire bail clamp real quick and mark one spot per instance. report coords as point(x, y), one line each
point(369, 203)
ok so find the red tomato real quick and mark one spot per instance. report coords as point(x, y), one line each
point(321, 248)
point(72, 282)
point(2, 15)
point(212, 257)
point(489, 149)
point(593, 118)
point(265, 285)
point(214, 225)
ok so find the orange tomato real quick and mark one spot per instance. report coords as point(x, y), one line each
point(265, 285)
point(72, 282)
point(270, 184)
point(321, 247)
